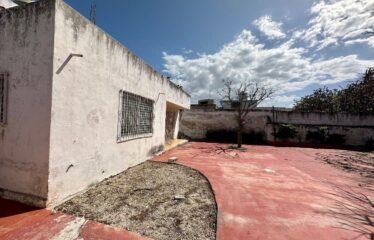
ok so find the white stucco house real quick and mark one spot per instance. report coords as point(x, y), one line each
point(76, 106)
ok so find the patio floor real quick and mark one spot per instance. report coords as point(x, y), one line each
point(264, 193)
point(269, 192)
point(20, 222)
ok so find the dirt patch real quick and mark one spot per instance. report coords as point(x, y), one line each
point(361, 163)
point(353, 207)
point(157, 200)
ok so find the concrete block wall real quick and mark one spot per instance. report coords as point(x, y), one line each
point(196, 124)
point(357, 129)
point(340, 119)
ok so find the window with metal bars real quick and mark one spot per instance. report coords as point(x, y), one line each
point(3, 96)
point(135, 117)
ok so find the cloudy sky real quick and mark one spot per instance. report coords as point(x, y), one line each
point(294, 46)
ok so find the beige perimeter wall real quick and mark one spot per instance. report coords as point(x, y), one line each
point(357, 129)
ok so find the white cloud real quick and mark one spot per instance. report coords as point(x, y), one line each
point(187, 51)
point(272, 29)
point(340, 22)
point(285, 68)
point(369, 41)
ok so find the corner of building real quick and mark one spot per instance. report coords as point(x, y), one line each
point(26, 47)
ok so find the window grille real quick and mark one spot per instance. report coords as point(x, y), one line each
point(135, 117)
point(3, 96)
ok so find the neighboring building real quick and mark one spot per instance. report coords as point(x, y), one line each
point(234, 104)
point(279, 109)
point(231, 105)
point(76, 106)
point(205, 105)
point(206, 102)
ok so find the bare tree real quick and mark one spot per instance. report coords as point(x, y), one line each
point(243, 99)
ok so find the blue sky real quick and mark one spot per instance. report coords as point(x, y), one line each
point(293, 46)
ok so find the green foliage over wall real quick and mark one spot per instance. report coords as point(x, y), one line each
point(357, 97)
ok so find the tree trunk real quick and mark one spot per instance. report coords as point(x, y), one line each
point(240, 137)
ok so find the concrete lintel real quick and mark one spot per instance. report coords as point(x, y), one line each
point(172, 107)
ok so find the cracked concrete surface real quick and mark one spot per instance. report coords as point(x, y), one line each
point(19, 222)
point(270, 193)
point(287, 204)
point(71, 230)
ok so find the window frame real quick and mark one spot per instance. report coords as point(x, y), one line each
point(121, 121)
point(4, 82)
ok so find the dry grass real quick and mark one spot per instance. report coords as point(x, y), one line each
point(143, 200)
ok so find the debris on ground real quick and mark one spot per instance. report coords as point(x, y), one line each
point(156, 200)
point(230, 152)
point(172, 160)
point(241, 149)
point(361, 163)
point(269, 170)
point(178, 197)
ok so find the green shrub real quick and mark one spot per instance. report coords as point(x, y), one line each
point(319, 136)
point(253, 137)
point(336, 139)
point(323, 136)
point(286, 131)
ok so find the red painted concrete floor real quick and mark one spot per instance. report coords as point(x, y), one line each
point(20, 222)
point(265, 193)
point(269, 192)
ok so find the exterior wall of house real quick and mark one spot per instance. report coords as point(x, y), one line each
point(26, 54)
point(85, 106)
point(356, 129)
